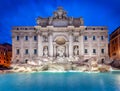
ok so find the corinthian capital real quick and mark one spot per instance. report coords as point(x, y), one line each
point(39, 33)
point(50, 32)
point(70, 32)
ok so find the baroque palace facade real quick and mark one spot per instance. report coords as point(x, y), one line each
point(59, 36)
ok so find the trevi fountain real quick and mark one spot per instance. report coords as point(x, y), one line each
point(60, 43)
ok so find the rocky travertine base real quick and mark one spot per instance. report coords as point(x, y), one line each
point(55, 67)
point(60, 65)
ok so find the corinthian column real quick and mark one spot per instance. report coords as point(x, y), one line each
point(50, 46)
point(30, 46)
point(40, 46)
point(81, 44)
point(70, 44)
point(22, 48)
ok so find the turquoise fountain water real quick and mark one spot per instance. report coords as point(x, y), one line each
point(66, 81)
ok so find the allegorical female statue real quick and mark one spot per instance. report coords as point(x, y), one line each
point(76, 50)
point(45, 51)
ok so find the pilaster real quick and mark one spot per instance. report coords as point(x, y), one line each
point(22, 47)
point(81, 43)
point(40, 46)
point(50, 46)
point(70, 44)
point(30, 46)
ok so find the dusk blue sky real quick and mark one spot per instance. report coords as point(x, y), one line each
point(24, 12)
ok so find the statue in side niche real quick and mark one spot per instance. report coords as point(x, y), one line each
point(45, 51)
point(76, 51)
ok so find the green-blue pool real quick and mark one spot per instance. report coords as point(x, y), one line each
point(64, 81)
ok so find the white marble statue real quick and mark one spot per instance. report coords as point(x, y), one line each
point(70, 20)
point(50, 20)
point(61, 51)
point(45, 51)
point(75, 51)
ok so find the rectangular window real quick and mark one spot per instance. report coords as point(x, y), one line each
point(17, 38)
point(102, 50)
point(17, 51)
point(94, 38)
point(26, 38)
point(102, 38)
point(85, 37)
point(35, 38)
point(85, 51)
point(94, 51)
point(26, 51)
point(35, 51)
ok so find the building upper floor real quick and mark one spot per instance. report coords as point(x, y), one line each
point(115, 33)
point(59, 24)
point(86, 36)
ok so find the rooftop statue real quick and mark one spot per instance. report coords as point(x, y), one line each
point(60, 13)
point(81, 21)
point(38, 20)
point(60, 19)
